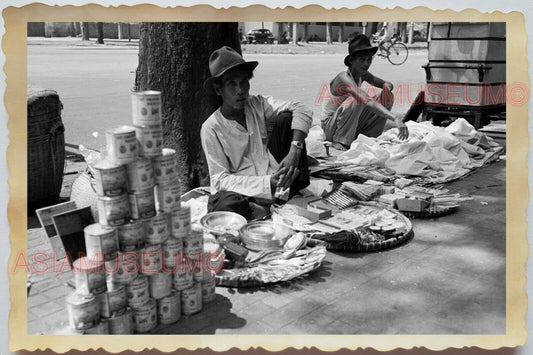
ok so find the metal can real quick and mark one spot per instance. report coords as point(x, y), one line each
point(82, 310)
point(89, 276)
point(140, 174)
point(191, 299)
point(169, 308)
point(182, 278)
point(122, 322)
point(167, 197)
point(150, 259)
point(113, 211)
point(193, 244)
point(145, 316)
point(208, 289)
point(172, 249)
point(160, 284)
point(110, 178)
point(146, 107)
point(180, 222)
point(112, 300)
point(121, 144)
point(157, 229)
point(131, 235)
point(150, 140)
point(165, 166)
point(100, 242)
point(125, 268)
point(137, 292)
point(142, 203)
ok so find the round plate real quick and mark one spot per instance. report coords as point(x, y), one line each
point(264, 235)
point(222, 222)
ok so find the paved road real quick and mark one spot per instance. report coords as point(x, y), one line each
point(94, 82)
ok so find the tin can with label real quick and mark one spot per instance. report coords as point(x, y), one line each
point(122, 322)
point(121, 144)
point(89, 275)
point(208, 289)
point(167, 197)
point(160, 284)
point(157, 229)
point(145, 316)
point(191, 299)
point(142, 203)
point(150, 140)
point(113, 211)
point(151, 259)
point(101, 328)
point(124, 269)
point(82, 310)
point(172, 249)
point(131, 235)
point(146, 108)
point(165, 167)
point(169, 308)
point(193, 244)
point(180, 222)
point(140, 174)
point(110, 178)
point(137, 292)
point(183, 278)
point(100, 242)
point(112, 300)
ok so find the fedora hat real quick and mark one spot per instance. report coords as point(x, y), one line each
point(224, 59)
point(359, 43)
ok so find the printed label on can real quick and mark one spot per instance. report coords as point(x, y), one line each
point(208, 289)
point(142, 203)
point(191, 299)
point(165, 167)
point(113, 211)
point(125, 268)
point(112, 300)
point(122, 322)
point(172, 249)
point(100, 242)
point(131, 235)
point(100, 329)
point(169, 308)
point(111, 179)
point(150, 140)
point(182, 279)
point(168, 197)
point(140, 174)
point(160, 284)
point(137, 292)
point(193, 244)
point(83, 311)
point(121, 144)
point(180, 222)
point(89, 275)
point(146, 107)
point(151, 259)
point(157, 229)
point(145, 316)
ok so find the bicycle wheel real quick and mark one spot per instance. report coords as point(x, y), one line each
point(398, 53)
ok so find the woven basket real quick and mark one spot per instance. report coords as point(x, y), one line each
point(46, 147)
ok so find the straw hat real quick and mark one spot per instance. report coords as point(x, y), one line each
point(358, 44)
point(224, 59)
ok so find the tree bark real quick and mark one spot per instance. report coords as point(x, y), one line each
point(305, 35)
point(328, 33)
point(295, 33)
point(85, 31)
point(100, 32)
point(173, 59)
point(341, 31)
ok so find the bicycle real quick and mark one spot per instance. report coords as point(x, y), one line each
point(395, 51)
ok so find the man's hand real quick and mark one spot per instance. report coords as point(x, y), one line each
point(290, 164)
point(403, 132)
point(276, 177)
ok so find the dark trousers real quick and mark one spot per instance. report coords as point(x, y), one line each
point(279, 143)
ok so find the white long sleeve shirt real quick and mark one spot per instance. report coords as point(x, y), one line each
point(238, 158)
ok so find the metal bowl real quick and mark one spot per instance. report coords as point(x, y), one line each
point(264, 235)
point(222, 222)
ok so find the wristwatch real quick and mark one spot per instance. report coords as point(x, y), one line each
point(297, 144)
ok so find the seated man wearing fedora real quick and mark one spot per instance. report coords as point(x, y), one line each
point(254, 144)
point(349, 111)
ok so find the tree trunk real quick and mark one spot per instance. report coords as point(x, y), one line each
point(100, 32)
point(305, 35)
point(119, 29)
point(85, 31)
point(341, 32)
point(328, 33)
point(295, 33)
point(173, 59)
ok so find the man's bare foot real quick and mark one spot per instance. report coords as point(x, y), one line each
point(339, 146)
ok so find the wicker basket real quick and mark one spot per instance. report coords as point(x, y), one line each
point(46, 148)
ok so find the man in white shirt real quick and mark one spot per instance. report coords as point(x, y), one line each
point(350, 111)
point(254, 144)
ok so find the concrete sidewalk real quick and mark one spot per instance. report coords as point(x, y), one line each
point(449, 279)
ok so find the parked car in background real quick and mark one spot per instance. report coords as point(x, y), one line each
point(260, 36)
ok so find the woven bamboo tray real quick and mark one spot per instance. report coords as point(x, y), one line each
point(432, 212)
